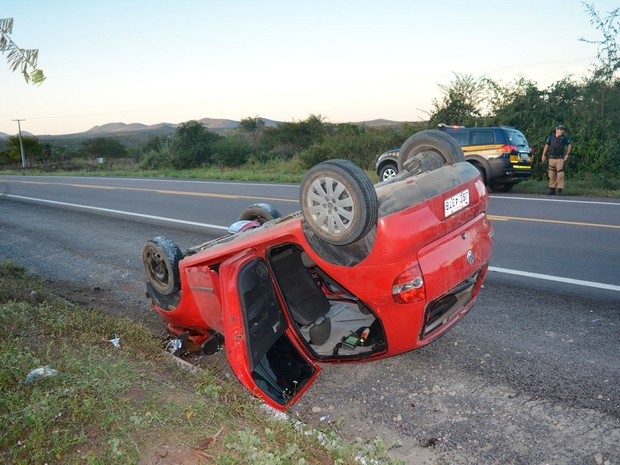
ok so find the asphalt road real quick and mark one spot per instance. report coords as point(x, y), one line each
point(531, 376)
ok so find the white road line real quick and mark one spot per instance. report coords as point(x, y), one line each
point(577, 282)
point(495, 269)
point(119, 212)
point(536, 199)
point(180, 181)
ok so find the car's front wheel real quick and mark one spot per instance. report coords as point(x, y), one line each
point(161, 257)
point(388, 171)
point(338, 202)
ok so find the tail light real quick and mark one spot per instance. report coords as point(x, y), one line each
point(409, 286)
point(506, 148)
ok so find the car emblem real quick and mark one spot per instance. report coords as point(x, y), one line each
point(470, 257)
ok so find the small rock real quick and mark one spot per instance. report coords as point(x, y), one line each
point(598, 458)
point(162, 452)
point(316, 409)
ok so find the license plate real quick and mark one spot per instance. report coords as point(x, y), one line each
point(456, 202)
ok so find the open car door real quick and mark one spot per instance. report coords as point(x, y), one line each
point(257, 335)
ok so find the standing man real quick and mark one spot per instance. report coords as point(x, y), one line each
point(555, 145)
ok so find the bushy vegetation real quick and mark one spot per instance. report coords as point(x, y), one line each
point(590, 109)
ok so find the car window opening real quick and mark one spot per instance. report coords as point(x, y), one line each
point(332, 322)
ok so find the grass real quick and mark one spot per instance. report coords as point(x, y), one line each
point(270, 171)
point(581, 185)
point(129, 405)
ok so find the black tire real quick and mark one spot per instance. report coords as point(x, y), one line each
point(434, 141)
point(261, 212)
point(501, 186)
point(161, 257)
point(339, 202)
point(388, 171)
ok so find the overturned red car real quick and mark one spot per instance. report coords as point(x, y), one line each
point(362, 272)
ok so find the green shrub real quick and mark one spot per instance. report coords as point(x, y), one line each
point(358, 144)
point(231, 151)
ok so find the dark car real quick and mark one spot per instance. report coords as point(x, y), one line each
point(362, 272)
point(501, 154)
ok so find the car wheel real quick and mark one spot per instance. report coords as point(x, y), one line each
point(261, 212)
point(429, 143)
point(388, 171)
point(161, 257)
point(339, 202)
point(501, 186)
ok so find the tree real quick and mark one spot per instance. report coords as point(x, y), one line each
point(192, 145)
point(254, 127)
point(33, 150)
point(251, 125)
point(287, 139)
point(608, 53)
point(19, 58)
point(105, 147)
point(463, 101)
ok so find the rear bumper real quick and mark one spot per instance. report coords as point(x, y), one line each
point(502, 170)
point(443, 311)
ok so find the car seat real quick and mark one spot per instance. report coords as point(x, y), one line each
point(305, 299)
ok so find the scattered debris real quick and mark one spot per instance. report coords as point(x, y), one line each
point(38, 373)
point(175, 347)
point(178, 346)
point(206, 443)
point(116, 342)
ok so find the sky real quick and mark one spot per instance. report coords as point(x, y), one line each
point(161, 61)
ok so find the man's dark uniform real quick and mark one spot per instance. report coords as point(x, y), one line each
point(555, 145)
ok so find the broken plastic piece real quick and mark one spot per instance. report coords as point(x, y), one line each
point(39, 373)
point(175, 347)
point(116, 341)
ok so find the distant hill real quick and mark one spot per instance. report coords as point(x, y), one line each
point(376, 123)
point(133, 133)
point(4, 135)
point(218, 124)
point(122, 127)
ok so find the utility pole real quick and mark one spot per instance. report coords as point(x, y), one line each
point(21, 144)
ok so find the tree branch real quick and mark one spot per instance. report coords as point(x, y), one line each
point(17, 58)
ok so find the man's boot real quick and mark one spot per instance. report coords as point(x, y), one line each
point(560, 192)
point(551, 191)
